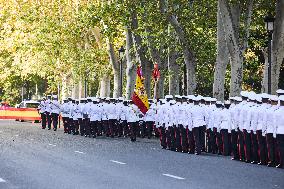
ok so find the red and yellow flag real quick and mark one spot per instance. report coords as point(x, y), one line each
point(139, 96)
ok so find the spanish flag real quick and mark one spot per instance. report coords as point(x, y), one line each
point(139, 96)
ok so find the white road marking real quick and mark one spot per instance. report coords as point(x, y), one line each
point(31, 139)
point(118, 162)
point(1, 131)
point(2, 180)
point(51, 144)
point(16, 135)
point(173, 176)
point(79, 152)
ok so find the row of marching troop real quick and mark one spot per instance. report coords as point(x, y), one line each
point(92, 117)
point(250, 128)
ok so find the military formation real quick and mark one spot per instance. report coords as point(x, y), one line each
point(92, 117)
point(249, 128)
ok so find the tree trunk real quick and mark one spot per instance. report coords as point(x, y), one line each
point(173, 68)
point(82, 88)
point(231, 31)
point(231, 24)
point(187, 53)
point(130, 69)
point(64, 89)
point(105, 86)
point(161, 86)
point(147, 73)
point(157, 58)
point(116, 72)
point(277, 45)
point(141, 55)
point(75, 90)
point(222, 59)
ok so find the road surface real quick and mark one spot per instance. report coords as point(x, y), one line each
point(32, 158)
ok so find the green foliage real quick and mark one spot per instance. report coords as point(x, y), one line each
point(41, 42)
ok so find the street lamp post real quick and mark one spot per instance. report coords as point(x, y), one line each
point(121, 52)
point(269, 25)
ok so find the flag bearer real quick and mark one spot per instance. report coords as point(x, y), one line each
point(149, 119)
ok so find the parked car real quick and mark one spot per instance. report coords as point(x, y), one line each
point(28, 104)
point(31, 104)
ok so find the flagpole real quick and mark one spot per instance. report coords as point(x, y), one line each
point(156, 76)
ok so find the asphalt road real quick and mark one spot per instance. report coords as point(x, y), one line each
point(32, 158)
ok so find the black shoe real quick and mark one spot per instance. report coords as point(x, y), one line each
point(248, 161)
point(279, 166)
point(55, 129)
point(43, 127)
point(94, 136)
point(253, 162)
point(270, 165)
point(49, 128)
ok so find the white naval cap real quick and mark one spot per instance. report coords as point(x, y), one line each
point(213, 99)
point(273, 98)
point(107, 98)
point(251, 96)
point(244, 94)
point(207, 99)
point(258, 98)
point(54, 96)
point(227, 102)
point(190, 97)
point(219, 103)
point(238, 99)
point(265, 95)
point(168, 96)
point(281, 98)
point(120, 98)
point(196, 98)
point(280, 91)
point(178, 96)
point(172, 101)
point(163, 101)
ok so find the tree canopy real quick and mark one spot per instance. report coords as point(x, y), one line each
point(46, 43)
